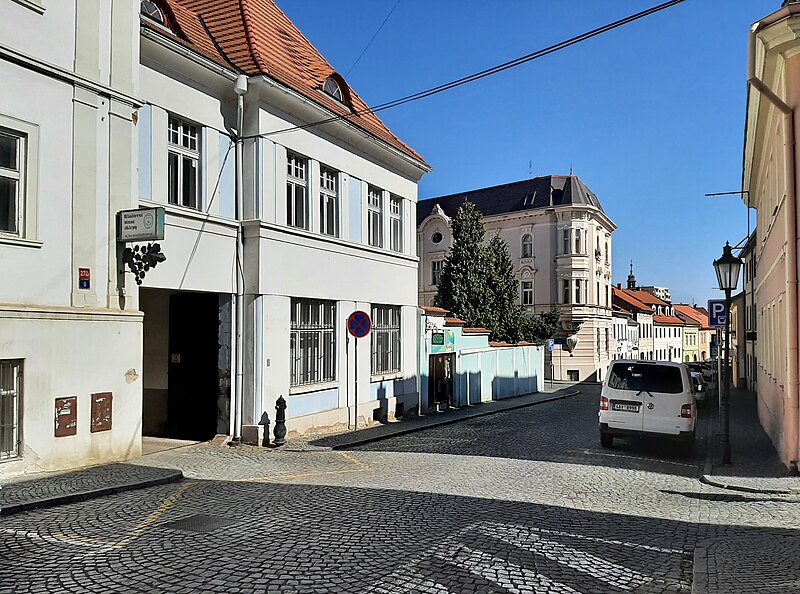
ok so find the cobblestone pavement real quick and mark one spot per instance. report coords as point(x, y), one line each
point(518, 502)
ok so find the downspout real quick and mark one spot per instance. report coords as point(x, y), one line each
point(240, 88)
point(792, 431)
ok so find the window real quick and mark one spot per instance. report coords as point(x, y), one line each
point(312, 342)
point(385, 339)
point(527, 292)
point(436, 272)
point(12, 177)
point(566, 234)
point(296, 211)
point(578, 291)
point(375, 216)
point(183, 150)
point(328, 201)
point(333, 89)
point(396, 224)
point(565, 291)
point(527, 246)
point(437, 237)
point(10, 407)
point(150, 9)
point(578, 247)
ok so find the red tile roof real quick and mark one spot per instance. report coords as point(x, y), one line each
point(434, 311)
point(454, 322)
point(256, 37)
point(646, 297)
point(476, 331)
point(629, 302)
point(695, 313)
point(667, 320)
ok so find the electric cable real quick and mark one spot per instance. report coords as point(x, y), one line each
point(481, 74)
point(371, 40)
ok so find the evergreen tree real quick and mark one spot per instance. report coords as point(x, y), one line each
point(503, 309)
point(462, 285)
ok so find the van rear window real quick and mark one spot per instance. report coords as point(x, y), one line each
point(648, 377)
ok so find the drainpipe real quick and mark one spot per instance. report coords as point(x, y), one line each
point(792, 431)
point(240, 88)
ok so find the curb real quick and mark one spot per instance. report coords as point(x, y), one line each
point(709, 480)
point(172, 477)
point(700, 570)
point(440, 423)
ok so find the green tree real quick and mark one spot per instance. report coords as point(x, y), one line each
point(502, 292)
point(462, 285)
point(539, 327)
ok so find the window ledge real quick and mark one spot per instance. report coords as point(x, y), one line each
point(32, 4)
point(308, 388)
point(386, 377)
point(20, 241)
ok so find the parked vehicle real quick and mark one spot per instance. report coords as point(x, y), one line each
point(648, 398)
point(700, 388)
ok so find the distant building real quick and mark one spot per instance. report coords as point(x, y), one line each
point(660, 292)
point(705, 333)
point(642, 314)
point(667, 328)
point(626, 335)
point(560, 242)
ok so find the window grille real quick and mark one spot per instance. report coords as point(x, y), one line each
point(385, 339)
point(312, 341)
point(10, 408)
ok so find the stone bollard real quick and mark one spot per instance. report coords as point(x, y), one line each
point(265, 422)
point(280, 422)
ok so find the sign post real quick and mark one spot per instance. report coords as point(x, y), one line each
point(359, 325)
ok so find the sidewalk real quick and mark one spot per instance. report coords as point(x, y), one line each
point(47, 489)
point(755, 466)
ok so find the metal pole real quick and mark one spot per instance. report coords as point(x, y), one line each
point(726, 394)
point(355, 400)
point(347, 374)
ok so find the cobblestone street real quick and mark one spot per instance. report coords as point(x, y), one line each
point(519, 501)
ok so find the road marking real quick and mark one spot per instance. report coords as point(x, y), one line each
point(156, 515)
point(599, 568)
point(622, 543)
point(609, 455)
point(55, 538)
point(361, 467)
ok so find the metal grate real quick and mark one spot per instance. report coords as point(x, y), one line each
point(199, 523)
point(10, 406)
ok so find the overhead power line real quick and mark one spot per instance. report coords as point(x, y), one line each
point(366, 47)
point(487, 72)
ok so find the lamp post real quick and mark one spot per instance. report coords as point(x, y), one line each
point(727, 269)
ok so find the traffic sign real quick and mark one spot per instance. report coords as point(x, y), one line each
point(717, 313)
point(551, 344)
point(359, 324)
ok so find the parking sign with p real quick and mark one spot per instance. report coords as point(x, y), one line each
point(717, 313)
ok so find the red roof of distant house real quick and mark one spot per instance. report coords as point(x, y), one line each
point(257, 38)
point(646, 297)
point(629, 301)
point(667, 320)
point(699, 315)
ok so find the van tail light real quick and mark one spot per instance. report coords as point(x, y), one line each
point(603, 403)
point(686, 411)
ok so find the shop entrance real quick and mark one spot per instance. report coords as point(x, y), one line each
point(440, 380)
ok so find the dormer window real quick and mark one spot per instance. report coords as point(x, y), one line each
point(152, 11)
point(331, 88)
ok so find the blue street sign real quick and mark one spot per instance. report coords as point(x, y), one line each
point(551, 344)
point(717, 313)
point(359, 324)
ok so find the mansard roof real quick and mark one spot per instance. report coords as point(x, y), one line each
point(255, 37)
point(540, 192)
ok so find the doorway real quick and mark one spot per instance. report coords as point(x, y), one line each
point(441, 369)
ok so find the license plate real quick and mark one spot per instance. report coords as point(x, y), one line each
point(625, 407)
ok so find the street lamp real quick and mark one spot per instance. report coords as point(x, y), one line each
point(727, 269)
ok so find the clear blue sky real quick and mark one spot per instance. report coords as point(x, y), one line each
point(650, 115)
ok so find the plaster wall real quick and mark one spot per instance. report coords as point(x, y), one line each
point(54, 367)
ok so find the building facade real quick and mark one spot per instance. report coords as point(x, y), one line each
point(272, 239)
point(70, 352)
point(643, 316)
point(560, 242)
point(769, 179)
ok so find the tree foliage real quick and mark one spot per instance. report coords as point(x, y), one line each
point(479, 285)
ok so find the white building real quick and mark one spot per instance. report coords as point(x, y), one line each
point(70, 329)
point(642, 316)
point(626, 334)
point(560, 242)
point(327, 228)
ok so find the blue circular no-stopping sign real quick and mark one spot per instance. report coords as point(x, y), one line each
point(359, 324)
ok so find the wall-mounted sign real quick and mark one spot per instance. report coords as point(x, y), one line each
point(437, 338)
point(85, 278)
point(101, 412)
point(142, 224)
point(447, 342)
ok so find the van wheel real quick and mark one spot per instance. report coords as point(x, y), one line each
point(606, 440)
